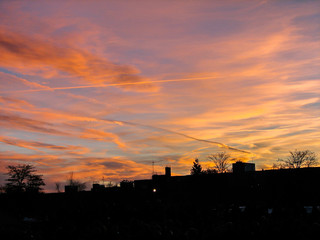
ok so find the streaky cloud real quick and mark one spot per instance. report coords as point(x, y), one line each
point(9, 120)
point(34, 145)
point(221, 145)
point(113, 84)
point(23, 52)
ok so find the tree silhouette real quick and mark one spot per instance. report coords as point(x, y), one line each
point(22, 179)
point(79, 186)
point(196, 168)
point(58, 186)
point(221, 161)
point(210, 171)
point(2, 189)
point(298, 159)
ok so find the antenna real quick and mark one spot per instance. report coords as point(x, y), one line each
point(152, 168)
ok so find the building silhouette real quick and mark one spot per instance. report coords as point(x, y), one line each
point(244, 203)
point(243, 184)
point(241, 167)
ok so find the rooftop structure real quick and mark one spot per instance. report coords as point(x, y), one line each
point(242, 167)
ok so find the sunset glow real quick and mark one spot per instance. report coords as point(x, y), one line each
point(104, 88)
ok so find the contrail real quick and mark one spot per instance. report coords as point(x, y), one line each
point(221, 145)
point(143, 125)
point(112, 84)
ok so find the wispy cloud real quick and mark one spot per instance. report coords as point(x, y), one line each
point(58, 169)
point(180, 134)
point(33, 145)
point(100, 135)
point(23, 52)
point(10, 120)
point(112, 85)
point(104, 89)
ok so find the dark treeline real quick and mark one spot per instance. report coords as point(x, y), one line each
point(119, 214)
point(208, 204)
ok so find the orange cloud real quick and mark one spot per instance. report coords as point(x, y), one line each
point(13, 121)
point(19, 51)
point(69, 149)
point(10, 82)
point(259, 100)
point(53, 122)
point(10, 120)
point(102, 136)
point(88, 169)
point(98, 134)
point(14, 103)
point(112, 85)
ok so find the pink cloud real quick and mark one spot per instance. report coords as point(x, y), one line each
point(89, 169)
point(68, 149)
point(262, 96)
point(19, 51)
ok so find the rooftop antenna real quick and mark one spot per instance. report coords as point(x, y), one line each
point(153, 172)
point(152, 168)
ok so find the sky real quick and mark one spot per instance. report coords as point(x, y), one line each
point(104, 89)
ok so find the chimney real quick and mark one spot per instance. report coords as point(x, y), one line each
point(168, 171)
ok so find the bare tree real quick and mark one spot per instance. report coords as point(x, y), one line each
point(209, 171)
point(110, 184)
point(298, 159)
point(80, 186)
point(221, 161)
point(58, 186)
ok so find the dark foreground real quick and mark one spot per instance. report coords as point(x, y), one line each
point(119, 215)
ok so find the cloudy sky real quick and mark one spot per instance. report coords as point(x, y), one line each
point(104, 88)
